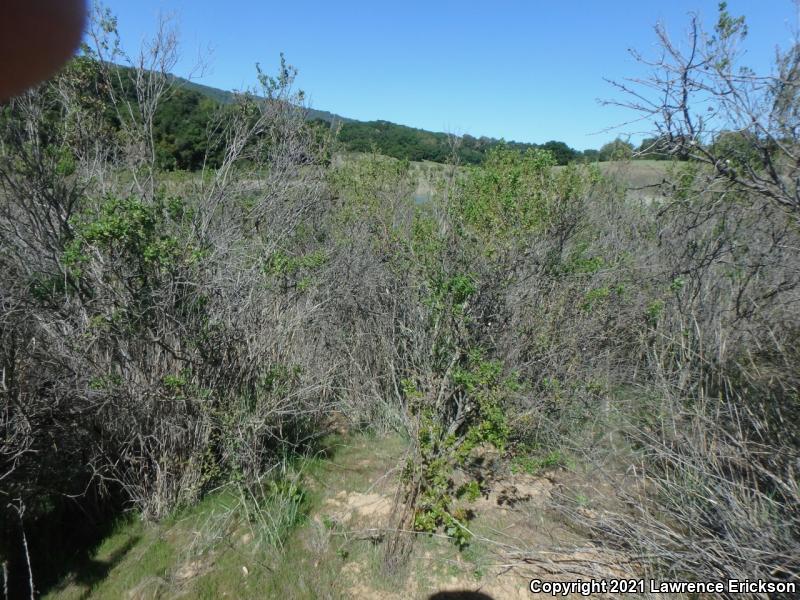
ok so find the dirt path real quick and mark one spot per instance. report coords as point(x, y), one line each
point(512, 521)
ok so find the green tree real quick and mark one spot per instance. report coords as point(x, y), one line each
point(618, 149)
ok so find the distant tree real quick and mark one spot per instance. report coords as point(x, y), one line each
point(735, 148)
point(619, 149)
point(400, 141)
point(654, 148)
point(560, 151)
point(181, 131)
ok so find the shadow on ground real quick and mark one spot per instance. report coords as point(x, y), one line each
point(89, 571)
point(61, 543)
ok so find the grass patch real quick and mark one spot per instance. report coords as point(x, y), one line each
point(240, 542)
point(536, 464)
point(226, 542)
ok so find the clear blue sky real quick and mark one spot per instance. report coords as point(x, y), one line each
point(528, 71)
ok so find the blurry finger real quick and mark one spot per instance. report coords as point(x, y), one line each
point(36, 38)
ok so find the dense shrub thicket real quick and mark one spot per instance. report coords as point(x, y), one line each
point(150, 339)
point(161, 334)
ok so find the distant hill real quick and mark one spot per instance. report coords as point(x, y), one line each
point(216, 94)
point(226, 97)
point(400, 141)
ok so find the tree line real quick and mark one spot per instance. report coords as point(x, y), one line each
point(184, 115)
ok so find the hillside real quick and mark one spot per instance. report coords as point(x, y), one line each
point(227, 97)
point(399, 141)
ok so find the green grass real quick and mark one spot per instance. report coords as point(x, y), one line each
point(636, 173)
point(536, 464)
point(203, 551)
